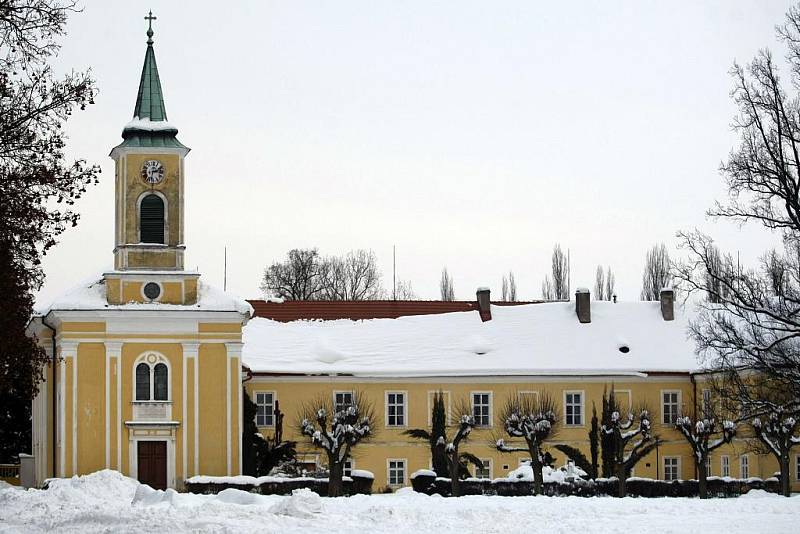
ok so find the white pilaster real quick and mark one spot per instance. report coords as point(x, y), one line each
point(234, 353)
point(190, 350)
point(113, 350)
point(69, 349)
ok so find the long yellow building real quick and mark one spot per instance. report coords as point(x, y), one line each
point(149, 363)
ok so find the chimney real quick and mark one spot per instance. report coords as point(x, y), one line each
point(484, 303)
point(667, 298)
point(583, 305)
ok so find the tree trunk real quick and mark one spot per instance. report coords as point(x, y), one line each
point(336, 470)
point(786, 490)
point(455, 485)
point(701, 479)
point(621, 475)
point(536, 467)
point(439, 460)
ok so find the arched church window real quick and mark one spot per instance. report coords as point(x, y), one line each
point(152, 377)
point(160, 382)
point(143, 382)
point(151, 219)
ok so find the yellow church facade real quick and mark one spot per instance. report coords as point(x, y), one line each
point(150, 363)
point(147, 365)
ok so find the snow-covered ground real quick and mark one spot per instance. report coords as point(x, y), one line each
point(108, 502)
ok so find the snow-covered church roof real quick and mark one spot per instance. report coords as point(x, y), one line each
point(91, 295)
point(545, 338)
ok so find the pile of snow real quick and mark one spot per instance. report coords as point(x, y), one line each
point(362, 473)
point(524, 473)
point(108, 502)
point(147, 125)
point(544, 338)
point(302, 503)
point(423, 473)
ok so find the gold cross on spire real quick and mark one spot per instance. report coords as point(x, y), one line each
point(150, 18)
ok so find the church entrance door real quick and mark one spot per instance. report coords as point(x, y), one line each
point(152, 463)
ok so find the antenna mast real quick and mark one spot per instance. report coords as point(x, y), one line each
point(225, 269)
point(394, 272)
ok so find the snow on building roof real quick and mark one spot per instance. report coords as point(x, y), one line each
point(530, 339)
point(91, 295)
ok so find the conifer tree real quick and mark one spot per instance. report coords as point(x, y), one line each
point(437, 436)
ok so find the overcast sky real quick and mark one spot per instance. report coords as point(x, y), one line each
point(468, 134)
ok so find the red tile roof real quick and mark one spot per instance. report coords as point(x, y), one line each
point(293, 310)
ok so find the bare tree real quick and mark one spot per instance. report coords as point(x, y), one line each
point(778, 430)
point(336, 430)
point(456, 461)
point(611, 285)
point(404, 291)
point(305, 275)
point(534, 419)
point(354, 276)
point(446, 287)
point(704, 436)
point(547, 289)
point(600, 284)
point(630, 437)
point(656, 275)
point(299, 277)
point(560, 273)
point(509, 288)
point(717, 265)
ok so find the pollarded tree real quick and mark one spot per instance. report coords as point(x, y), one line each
point(534, 419)
point(630, 436)
point(704, 436)
point(456, 460)
point(778, 429)
point(336, 430)
point(436, 437)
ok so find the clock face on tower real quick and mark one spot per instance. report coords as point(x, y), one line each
point(153, 171)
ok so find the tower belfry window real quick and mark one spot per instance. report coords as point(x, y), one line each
point(151, 219)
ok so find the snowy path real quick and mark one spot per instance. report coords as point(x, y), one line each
point(102, 502)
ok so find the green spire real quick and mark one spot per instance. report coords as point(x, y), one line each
point(150, 100)
point(149, 127)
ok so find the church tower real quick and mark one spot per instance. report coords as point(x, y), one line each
point(149, 216)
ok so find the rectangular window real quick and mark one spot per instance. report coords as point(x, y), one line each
point(531, 397)
point(797, 467)
point(671, 468)
point(573, 408)
point(395, 408)
point(486, 470)
point(708, 466)
point(341, 400)
point(446, 398)
point(707, 411)
point(397, 472)
point(348, 468)
point(670, 406)
point(482, 408)
point(623, 398)
point(265, 409)
point(744, 466)
point(725, 466)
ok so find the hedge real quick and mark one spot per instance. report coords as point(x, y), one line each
point(424, 482)
point(360, 483)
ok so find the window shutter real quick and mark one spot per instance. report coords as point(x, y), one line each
point(151, 219)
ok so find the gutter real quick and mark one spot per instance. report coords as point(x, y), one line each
point(55, 392)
